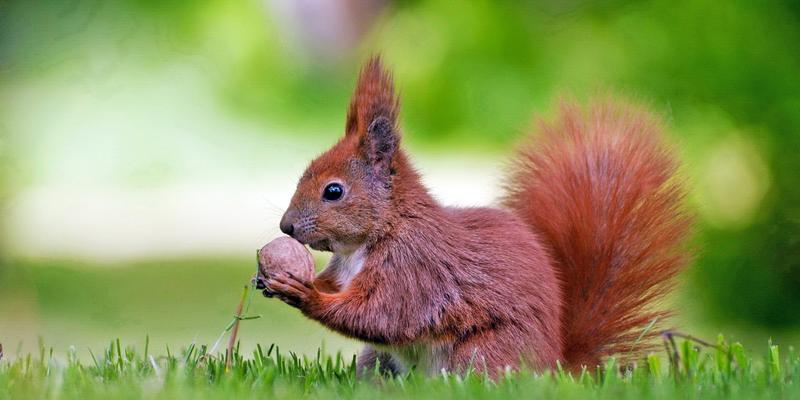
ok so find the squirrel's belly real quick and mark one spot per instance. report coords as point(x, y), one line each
point(428, 358)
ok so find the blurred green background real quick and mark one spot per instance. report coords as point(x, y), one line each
point(147, 148)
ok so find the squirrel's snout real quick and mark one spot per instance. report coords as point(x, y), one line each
point(287, 225)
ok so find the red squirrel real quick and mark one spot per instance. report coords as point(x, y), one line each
point(589, 236)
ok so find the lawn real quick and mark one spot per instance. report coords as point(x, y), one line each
point(122, 372)
point(168, 314)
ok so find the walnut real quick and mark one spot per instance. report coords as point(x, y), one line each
point(285, 254)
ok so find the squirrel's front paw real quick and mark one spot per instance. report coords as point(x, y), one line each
point(292, 290)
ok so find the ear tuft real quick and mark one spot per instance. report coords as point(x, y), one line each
point(374, 98)
point(381, 143)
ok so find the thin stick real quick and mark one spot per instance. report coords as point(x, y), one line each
point(644, 332)
point(237, 318)
point(235, 331)
point(690, 338)
point(672, 351)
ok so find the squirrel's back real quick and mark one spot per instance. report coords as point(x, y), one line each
point(599, 187)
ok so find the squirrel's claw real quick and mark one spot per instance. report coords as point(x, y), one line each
point(260, 283)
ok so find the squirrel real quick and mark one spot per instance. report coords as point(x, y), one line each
point(589, 235)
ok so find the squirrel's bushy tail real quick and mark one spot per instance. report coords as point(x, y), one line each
point(600, 188)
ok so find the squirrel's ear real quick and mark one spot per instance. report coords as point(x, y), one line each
point(379, 145)
point(373, 98)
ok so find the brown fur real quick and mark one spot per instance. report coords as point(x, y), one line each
point(453, 287)
point(600, 188)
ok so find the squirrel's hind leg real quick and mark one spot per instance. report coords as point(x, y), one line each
point(369, 358)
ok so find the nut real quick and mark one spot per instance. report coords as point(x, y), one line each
point(285, 254)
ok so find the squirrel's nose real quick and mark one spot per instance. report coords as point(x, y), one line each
point(287, 225)
point(287, 228)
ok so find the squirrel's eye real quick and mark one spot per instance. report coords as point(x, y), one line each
point(333, 192)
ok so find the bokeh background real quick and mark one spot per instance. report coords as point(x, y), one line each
point(147, 148)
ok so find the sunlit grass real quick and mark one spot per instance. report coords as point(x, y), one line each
point(118, 371)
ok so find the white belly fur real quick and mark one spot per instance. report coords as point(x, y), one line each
point(348, 265)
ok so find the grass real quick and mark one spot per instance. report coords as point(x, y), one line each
point(175, 301)
point(122, 372)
